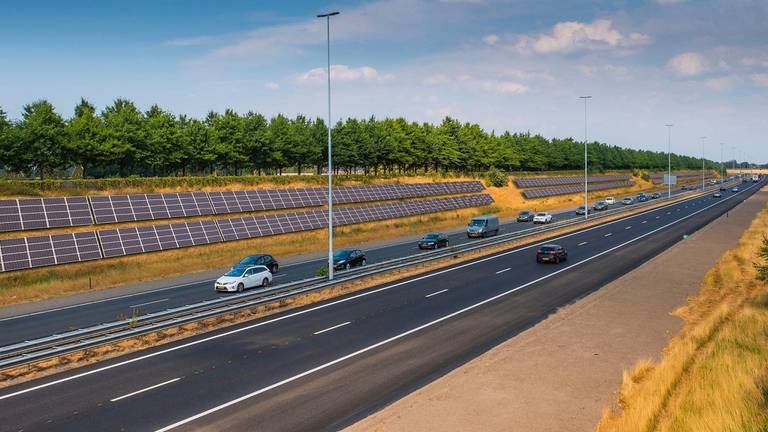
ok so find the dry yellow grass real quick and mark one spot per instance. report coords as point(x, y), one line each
point(713, 376)
point(50, 282)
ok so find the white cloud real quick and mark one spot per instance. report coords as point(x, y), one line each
point(752, 61)
point(669, 2)
point(760, 79)
point(607, 69)
point(342, 73)
point(491, 39)
point(272, 86)
point(437, 79)
point(572, 35)
point(719, 84)
point(192, 41)
point(687, 64)
point(504, 87)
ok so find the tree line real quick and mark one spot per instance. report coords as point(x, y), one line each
point(121, 140)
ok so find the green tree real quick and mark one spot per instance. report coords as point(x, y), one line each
point(86, 137)
point(43, 137)
point(124, 136)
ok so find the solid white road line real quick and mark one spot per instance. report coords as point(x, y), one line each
point(144, 389)
point(659, 217)
point(504, 270)
point(413, 330)
point(333, 328)
point(149, 303)
point(608, 235)
point(437, 292)
point(645, 221)
point(582, 243)
point(333, 303)
point(628, 227)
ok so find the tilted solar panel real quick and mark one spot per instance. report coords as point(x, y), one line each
point(129, 241)
point(529, 182)
point(570, 189)
point(42, 213)
point(138, 207)
point(29, 252)
point(266, 225)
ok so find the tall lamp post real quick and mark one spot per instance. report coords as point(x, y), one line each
point(327, 17)
point(722, 163)
point(669, 160)
point(703, 139)
point(586, 197)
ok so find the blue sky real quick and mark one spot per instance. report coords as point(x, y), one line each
point(505, 64)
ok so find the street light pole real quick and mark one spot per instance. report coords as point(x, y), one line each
point(586, 197)
point(669, 160)
point(722, 163)
point(702, 162)
point(327, 17)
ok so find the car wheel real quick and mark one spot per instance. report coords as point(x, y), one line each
point(240, 287)
point(346, 266)
point(265, 282)
point(275, 268)
point(363, 262)
point(557, 260)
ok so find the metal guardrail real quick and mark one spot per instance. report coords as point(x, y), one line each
point(59, 344)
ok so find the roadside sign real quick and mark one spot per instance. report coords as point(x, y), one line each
point(668, 179)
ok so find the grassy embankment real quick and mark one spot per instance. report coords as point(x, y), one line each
point(43, 283)
point(713, 375)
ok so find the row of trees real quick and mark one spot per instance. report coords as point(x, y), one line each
point(122, 140)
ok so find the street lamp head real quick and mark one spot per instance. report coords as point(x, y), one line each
point(585, 97)
point(329, 14)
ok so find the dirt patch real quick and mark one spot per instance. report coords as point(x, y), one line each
point(560, 374)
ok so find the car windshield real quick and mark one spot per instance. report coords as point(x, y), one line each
point(548, 248)
point(477, 222)
point(431, 237)
point(524, 213)
point(249, 260)
point(342, 254)
point(541, 214)
point(235, 272)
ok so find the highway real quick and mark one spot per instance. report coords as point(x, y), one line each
point(324, 366)
point(45, 323)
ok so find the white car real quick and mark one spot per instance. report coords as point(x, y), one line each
point(542, 218)
point(244, 277)
point(610, 200)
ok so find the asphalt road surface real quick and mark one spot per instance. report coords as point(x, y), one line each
point(324, 366)
point(45, 323)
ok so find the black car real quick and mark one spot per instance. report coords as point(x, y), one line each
point(600, 206)
point(551, 253)
point(723, 189)
point(433, 241)
point(348, 258)
point(525, 216)
point(655, 195)
point(267, 261)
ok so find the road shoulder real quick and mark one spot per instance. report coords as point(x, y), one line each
point(560, 374)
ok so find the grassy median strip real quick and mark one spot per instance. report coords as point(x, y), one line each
point(713, 376)
point(47, 367)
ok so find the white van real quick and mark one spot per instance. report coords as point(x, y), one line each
point(483, 226)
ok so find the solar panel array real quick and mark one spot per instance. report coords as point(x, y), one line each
point(128, 241)
point(564, 190)
point(266, 199)
point(28, 252)
point(130, 208)
point(358, 194)
point(530, 182)
point(41, 213)
point(266, 225)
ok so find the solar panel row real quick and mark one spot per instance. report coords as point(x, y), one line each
point(260, 226)
point(529, 182)
point(28, 252)
point(564, 190)
point(687, 175)
point(40, 213)
point(128, 241)
point(129, 208)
